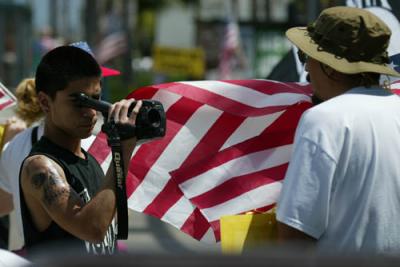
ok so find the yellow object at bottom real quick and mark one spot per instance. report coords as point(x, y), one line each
point(2, 132)
point(247, 231)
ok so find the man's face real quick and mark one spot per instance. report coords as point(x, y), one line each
point(66, 116)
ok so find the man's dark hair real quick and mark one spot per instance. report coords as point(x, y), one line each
point(366, 79)
point(63, 65)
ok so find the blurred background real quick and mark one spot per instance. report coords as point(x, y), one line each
point(157, 41)
point(154, 41)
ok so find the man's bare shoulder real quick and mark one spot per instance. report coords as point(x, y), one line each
point(49, 196)
point(38, 164)
point(42, 176)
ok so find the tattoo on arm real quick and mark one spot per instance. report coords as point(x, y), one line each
point(38, 180)
point(51, 192)
point(54, 187)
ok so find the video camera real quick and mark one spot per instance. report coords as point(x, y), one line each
point(150, 121)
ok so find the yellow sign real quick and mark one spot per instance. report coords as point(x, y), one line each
point(180, 61)
point(247, 231)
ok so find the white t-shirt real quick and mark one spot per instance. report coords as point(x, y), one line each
point(9, 259)
point(342, 186)
point(11, 158)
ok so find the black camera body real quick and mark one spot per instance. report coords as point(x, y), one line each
point(150, 121)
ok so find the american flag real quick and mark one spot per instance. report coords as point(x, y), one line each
point(395, 87)
point(111, 46)
point(226, 150)
point(7, 99)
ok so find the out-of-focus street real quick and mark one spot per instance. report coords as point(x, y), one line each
point(213, 91)
point(150, 235)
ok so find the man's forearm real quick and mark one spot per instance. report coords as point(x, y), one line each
point(105, 199)
point(127, 149)
point(102, 207)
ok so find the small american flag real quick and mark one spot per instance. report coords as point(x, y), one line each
point(227, 147)
point(111, 46)
point(395, 87)
point(7, 99)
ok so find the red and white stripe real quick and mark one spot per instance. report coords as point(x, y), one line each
point(226, 150)
point(7, 99)
point(395, 87)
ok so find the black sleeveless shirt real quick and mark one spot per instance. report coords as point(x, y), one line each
point(86, 177)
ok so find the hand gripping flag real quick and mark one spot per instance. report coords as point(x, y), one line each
point(227, 147)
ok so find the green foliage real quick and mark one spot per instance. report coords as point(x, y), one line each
point(114, 89)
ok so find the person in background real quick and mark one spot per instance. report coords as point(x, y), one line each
point(341, 192)
point(8, 130)
point(28, 108)
point(27, 111)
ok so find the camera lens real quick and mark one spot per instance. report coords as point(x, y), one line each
point(154, 118)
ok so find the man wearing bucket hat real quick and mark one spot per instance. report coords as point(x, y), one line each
point(342, 187)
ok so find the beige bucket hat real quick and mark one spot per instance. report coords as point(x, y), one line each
point(349, 40)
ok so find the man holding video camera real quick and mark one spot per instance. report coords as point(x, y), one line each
point(65, 197)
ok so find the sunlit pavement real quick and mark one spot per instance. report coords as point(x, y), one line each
point(148, 235)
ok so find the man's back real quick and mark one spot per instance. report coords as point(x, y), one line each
point(351, 144)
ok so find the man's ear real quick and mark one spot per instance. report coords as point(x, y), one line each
point(329, 71)
point(44, 101)
point(332, 73)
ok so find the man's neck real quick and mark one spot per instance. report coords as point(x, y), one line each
point(64, 140)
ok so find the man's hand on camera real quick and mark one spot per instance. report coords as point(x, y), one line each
point(119, 114)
